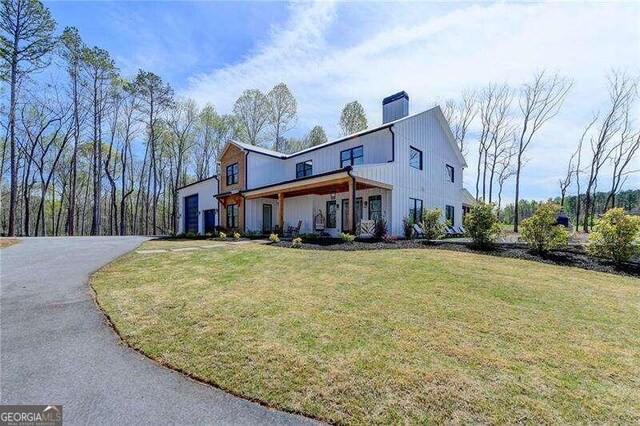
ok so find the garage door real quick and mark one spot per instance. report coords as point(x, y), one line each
point(191, 214)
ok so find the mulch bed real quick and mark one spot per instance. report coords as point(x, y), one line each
point(575, 256)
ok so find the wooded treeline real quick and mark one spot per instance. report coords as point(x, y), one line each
point(510, 120)
point(89, 151)
point(628, 200)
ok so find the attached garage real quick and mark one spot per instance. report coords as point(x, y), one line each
point(198, 207)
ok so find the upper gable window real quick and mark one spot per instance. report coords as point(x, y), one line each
point(232, 174)
point(304, 169)
point(351, 157)
point(415, 158)
point(451, 175)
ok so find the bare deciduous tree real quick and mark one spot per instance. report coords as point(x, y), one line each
point(505, 170)
point(540, 100)
point(621, 92)
point(622, 157)
point(566, 181)
point(182, 120)
point(460, 115)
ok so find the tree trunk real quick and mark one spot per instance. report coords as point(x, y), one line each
point(13, 198)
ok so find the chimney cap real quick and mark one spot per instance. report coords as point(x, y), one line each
point(395, 97)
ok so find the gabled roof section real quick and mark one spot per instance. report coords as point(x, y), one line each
point(258, 149)
point(436, 110)
point(197, 182)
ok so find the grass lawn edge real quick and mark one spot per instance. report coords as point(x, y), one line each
point(111, 323)
point(194, 376)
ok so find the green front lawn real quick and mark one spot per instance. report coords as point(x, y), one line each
point(394, 336)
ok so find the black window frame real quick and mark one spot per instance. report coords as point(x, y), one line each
point(419, 152)
point(415, 213)
point(450, 216)
point(234, 210)
point(351, 159)
point(451, 173)
point(304, 169)
point(233, 174)
point(370, 211)
point(332, 224)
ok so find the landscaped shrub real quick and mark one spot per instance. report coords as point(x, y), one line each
point(407, 227)
point(222, 236)
point(306, 237)
point(296, 242)
point(380, 228)
point(541, 231)
point(481, 225)
point(237, 235)
point(347, 238)
point(274, 238)
point(189, 235)
point(251, 234)
point(616, 236)
point(431, 225)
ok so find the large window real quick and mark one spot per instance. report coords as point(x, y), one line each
point(415, 158)
point(375, 207)
point(232, 174)
point(232, 216)
point(351, 157)
point(451, 173)
point(415, 210)
point(450, 215)
point(331, 214)
point(304, 169)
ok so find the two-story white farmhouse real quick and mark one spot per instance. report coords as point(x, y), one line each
point(408, 163)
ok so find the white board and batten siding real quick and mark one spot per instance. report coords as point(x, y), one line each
point(266, 170)
point(206, 189)
point(425, 132)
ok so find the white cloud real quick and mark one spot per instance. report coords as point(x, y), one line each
point(434, 55)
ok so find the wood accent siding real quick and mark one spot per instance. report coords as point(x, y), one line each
point(233, 154)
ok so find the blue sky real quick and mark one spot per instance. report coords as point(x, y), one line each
point(332, 53)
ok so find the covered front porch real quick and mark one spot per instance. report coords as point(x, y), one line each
point(325, 205)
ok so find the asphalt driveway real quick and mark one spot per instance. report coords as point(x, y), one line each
point(56, 348)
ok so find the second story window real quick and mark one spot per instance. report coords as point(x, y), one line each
point(304, 169)
point(450, 173)
point(351, 157)
point(415, 158)
point(232, 174)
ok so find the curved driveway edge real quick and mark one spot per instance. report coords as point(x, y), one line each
point(56, 346)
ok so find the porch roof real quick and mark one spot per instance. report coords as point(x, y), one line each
point(323, 184)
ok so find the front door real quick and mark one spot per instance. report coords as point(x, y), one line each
point(191, 214)
point(267, 218)
point(345, 214)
